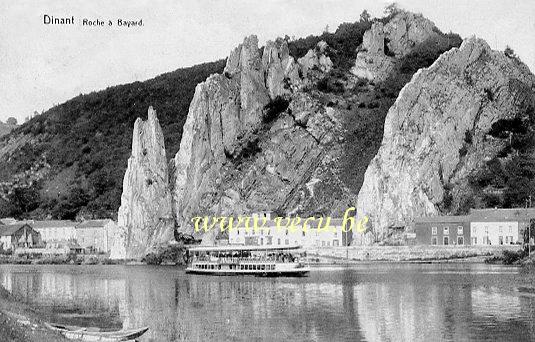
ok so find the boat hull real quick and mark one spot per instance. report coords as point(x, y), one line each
point(82, 334)
point(286, 273)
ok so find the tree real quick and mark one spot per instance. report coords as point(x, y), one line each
point(365, 16)
point(11, 121)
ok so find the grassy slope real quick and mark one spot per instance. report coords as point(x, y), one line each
point(90, 136)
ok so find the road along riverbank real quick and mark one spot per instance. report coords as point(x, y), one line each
point(353, 254)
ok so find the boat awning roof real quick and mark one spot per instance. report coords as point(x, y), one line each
point(238, 248)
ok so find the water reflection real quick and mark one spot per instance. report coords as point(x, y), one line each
point(370, 302)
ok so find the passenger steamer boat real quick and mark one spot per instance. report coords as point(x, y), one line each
point(241, 260)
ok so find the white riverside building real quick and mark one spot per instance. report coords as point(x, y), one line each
point(55, 230)
point(499, 226)
point(271, 236)
point(481, 227)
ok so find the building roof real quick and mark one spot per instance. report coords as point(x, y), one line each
point(442, 219)
point(93, 223)
point(53, 224)
point(8, 230)
point(500, 215)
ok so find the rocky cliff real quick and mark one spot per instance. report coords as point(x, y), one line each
point(384, 44)
point(436, 133)
point(6, 128)
point(251, 138)
point(145, 217)
point(274, 132)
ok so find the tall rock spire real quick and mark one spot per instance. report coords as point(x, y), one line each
point(145, 217)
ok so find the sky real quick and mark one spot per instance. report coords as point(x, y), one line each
point(44, 65)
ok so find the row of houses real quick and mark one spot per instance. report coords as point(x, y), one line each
point(271, 236)
point(90, 235)
point(480, 227)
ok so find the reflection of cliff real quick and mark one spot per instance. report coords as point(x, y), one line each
point(494, 303)
point(406, 311)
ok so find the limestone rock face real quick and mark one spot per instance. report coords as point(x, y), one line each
point(373, 40)
point(405, 30)
point(281, 68)
point(232, 158)
point(424, 151)
point(316, 59)
point(245, 65)
point(145, 218)
point(400, 36)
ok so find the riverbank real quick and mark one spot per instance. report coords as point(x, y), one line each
point(20, 323)
point(79, 259)
point(355, 254)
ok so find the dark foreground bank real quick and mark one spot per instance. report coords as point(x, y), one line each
point(18, 322)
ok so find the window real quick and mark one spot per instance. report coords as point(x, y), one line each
point(278, 241)
point(286, 242)
point(446, 240)
point(434, 230)
point(446, 230)
point(500, 239)
point(460, 240)
point(460, 230)
point(434, 241)
point(474, 241)
point(336, 243)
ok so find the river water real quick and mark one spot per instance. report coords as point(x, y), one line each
point(367, 302)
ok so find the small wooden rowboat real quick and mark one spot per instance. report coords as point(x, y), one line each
point(95, 335)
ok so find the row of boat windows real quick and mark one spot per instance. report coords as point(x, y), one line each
point(261, 267)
